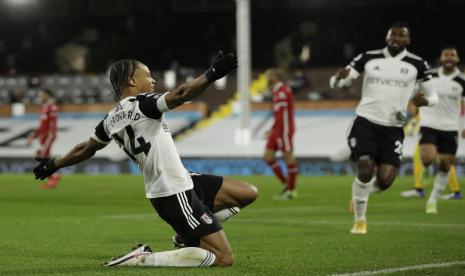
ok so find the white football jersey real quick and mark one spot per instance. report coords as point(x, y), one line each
point(138, 126)
point(388, 84)
point(445, 115)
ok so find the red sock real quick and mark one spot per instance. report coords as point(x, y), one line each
point(53, 179)
point(277, 170)
point(292, 172)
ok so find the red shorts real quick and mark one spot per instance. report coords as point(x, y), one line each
point(282, 143)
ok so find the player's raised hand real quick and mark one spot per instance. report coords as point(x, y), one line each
point(45, 168)
point(420, 99)
point(222, 65)
point(342, 73)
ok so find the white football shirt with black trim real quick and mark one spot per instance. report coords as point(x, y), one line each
point(138, 126)
point(388, 84)
point(446, 114)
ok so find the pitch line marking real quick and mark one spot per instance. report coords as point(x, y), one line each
point(400, 269)
point(338, 222)
point(313, 222)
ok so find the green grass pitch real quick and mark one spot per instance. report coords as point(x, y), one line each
point(88, 219)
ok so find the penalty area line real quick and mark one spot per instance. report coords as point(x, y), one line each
point(400, 269)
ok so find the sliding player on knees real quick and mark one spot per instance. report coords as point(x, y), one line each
point(194, 205)
point(376, 137)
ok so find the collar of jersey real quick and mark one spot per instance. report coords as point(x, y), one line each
point(451, 76)
point(277, 85)
point(399, 56)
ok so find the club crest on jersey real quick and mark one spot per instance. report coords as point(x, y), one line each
point(206, 218)
point(353, 142)
point(166, 129)
point(404, 71)
point(376, 68)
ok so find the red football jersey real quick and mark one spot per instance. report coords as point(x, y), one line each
point(283, 110)
point(48, 123)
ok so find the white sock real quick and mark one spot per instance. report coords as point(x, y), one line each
point(439, 185)
point(184, 257)
point(373, 188)
point(225, 214)
point(360, 194)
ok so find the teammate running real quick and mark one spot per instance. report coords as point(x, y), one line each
point(420, 173)
point(46, 133)
point(439, 125)
point(376, 137)
point(281, 134)
point(194, 205)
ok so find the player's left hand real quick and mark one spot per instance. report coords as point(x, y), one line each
point(420, 99)
point(222, 65)
point(45, 168)
point(463, 133)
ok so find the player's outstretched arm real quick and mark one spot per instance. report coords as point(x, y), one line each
point(343, 77)
point(187, 91)
point(79, 153)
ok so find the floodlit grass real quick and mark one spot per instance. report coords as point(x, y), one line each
point(88, 219)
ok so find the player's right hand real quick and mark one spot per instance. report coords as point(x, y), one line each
point(30, 138)
point(420, 99)
point(222, 65)
point(342, 73)
point(267, 134)
point(45, 168)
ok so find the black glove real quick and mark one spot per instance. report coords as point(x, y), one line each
point(45, 168)
point(222, 65)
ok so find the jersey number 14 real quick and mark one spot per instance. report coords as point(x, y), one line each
point(143, 147)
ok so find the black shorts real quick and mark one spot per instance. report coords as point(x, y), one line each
point(382, 144)
point(190, 213)
point(445, 141)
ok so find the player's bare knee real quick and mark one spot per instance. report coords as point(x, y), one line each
point(268, 159)
point(224, 259)
point(365, 170)
point(444, 166)
point(251, 195)
point(427, 161)
point(384, 182)
point(365, 174)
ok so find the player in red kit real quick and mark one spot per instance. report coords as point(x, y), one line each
point(281, 134)
point(46, 133)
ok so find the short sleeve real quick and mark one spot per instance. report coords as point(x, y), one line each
point(424, 72)
point(148, 104)
point(460, 79)
point(358, 63)
point(100, 135)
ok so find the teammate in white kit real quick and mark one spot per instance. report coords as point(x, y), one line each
point(439, 125)
point(376, 137)
point(194, 205)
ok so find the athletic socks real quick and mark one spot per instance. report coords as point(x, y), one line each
point(418, 168)
point(453, 181)
point(360, 194)
point(439, 185)
point(373, 186)
point(184, 257)
point(277, 170)
point(225, 214)
point(292, 176)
